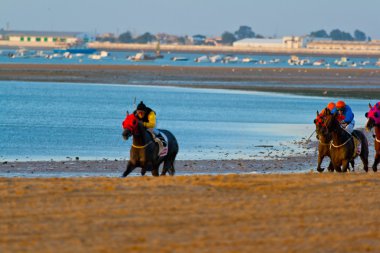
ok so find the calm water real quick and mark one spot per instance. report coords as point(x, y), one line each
point(55, 121)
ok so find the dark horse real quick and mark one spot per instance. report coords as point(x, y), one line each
point(324, 143)
point(373, 116)
point(342, 148)
point(144, 150)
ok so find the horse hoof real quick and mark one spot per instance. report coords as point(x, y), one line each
point(320, 170)
point(374, 169)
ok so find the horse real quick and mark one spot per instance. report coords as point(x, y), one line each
point(342, 147)
point(324, 141)
point(144, 150)
point(373, 121)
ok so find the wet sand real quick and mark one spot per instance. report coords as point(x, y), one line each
point(313, 80)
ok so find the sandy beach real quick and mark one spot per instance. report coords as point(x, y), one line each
point(231, 213)
point(262, 208)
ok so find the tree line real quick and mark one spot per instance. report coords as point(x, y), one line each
point(228, 38)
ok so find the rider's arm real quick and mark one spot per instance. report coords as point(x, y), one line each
point(151, 120)
point(349, 116)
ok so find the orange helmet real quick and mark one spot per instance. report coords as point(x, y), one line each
point(331, 106)
point(340, 104)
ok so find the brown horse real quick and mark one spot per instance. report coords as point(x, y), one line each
point(324, 143)
point(342, 148)
point(373, 116)
point(144, 150)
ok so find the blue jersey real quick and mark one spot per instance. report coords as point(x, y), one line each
point(348, 114)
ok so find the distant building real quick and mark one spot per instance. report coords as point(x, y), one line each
point(199, 39)
point(285, 42)
point(42, 38)
point(345, 45)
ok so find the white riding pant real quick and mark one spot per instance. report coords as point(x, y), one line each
point(350, 127)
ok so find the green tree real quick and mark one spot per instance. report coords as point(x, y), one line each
point(244, 32)
point(337, 34)
point(145, 38)
point(360, 36)
point(126, 37)
point(319, 34)
point(228, 38)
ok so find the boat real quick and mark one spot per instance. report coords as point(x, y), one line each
point(215, 58)
point(179, 58)
point(378, 63)
point(319, 62)
point(203, 58)
point(295, 60)
point(230, 59)
point(141, 57)
point(248, 60)
point(75, 49)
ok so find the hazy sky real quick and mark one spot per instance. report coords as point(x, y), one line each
point(189, 17)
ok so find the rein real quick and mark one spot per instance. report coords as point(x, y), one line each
point(146, 145)
point(332, 144)
point(335, 146)
point(323, 143)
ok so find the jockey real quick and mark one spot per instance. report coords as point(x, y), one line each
point(148, 117)
point(345, 116)
point(331, 107)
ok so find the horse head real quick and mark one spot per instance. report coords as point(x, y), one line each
point(330, 121)
point(130, 126)
point(373, 116)
point(318, 121)
point(320, 127)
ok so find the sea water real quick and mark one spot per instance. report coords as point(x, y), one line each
point(43, 121)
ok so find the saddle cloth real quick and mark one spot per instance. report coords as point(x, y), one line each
point(165, 147)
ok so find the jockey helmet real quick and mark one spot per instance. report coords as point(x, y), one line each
point(340, 105)
point(141, 106)
point(331, 106)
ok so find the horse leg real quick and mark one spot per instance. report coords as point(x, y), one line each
point(352, 162)
point(364, 158)
point(345, 165)
point(320, 159)
point(331, 167)
point(376, 162)
point(154, 169)
point(130, 167)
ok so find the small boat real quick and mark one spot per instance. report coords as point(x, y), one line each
point(248, 59)
point(319, 62)
point(203, 58)
point(378, 63)
point(179, 58)
point(230, 59)
point(141, 57)
point(74, 50)
point(215, 58)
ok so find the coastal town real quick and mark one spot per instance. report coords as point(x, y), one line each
point(299, 44)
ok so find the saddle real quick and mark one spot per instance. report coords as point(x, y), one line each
point(162, 140)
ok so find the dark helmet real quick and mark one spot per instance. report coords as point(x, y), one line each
point(141, 106)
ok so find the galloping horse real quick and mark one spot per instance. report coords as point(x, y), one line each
point(144, 150)
point(342, 148)
point(373, 116)
point(324, 143)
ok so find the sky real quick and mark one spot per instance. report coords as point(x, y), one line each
point(190, 17)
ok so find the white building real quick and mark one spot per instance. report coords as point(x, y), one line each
point(285, 42)
point(41, 38)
